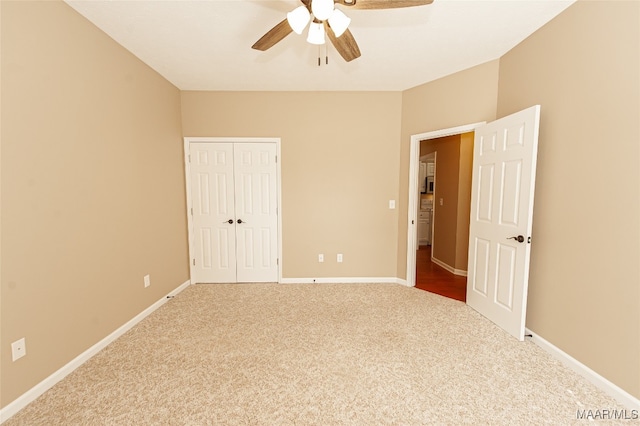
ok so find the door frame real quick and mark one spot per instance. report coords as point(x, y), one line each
point(187, 169)
point(412, 214)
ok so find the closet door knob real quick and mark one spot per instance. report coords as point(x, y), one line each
point(240, 221)
point(230, 221)
point(519, 238)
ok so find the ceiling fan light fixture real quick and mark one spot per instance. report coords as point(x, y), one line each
point(322, 9)
point(339, 22)
point(298, 19)
point(316, 33)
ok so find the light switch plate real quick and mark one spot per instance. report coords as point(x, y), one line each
point(392, 204)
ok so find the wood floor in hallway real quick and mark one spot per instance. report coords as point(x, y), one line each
point(435, 279)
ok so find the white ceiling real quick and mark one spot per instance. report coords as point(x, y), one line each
point(206, 44)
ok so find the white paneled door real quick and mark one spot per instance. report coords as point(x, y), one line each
point(213, 212)
point(234, 212)
point(504, 167)
point(256, 212)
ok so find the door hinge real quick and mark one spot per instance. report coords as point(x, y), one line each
point(276, 158)
point(191, 211)
point(278, 262)
point(189, 156)
point(194, 262)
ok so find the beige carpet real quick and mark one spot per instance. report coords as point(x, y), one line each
point(269, 354)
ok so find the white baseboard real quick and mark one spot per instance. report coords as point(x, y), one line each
point(33, 393)
point(451, 269)
point(619, 394)
point(344, 280)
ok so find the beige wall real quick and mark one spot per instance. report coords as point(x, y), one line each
point(464, 200)
point(92, 189)
point(466, 97)
point(584, 292)
point(339, 171)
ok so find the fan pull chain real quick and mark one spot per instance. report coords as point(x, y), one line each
point(326, 54)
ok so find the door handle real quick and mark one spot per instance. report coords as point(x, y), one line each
point(519, 238)
point(240, 221)
point(230, 221)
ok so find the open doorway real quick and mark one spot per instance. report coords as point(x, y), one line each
point(439, 263)
point(444, 203)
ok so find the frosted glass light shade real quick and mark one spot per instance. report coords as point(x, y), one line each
point(322, 9)
point(316, 33)
point(339, 22)
point(298, 18)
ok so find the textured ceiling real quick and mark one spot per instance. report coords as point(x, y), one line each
point(206, 44)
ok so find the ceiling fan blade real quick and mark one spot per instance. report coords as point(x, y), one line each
point(345, 44)
point(381, 4)
point(273, 36)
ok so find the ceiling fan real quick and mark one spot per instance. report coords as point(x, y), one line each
point(327, 20)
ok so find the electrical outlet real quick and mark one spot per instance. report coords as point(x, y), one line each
point(18, 349)
point(147, 281)
point(321, 258)
point(339, 258)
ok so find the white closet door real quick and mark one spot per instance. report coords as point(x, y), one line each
point(256, 212)
point(234, 212)
point(212, 194)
